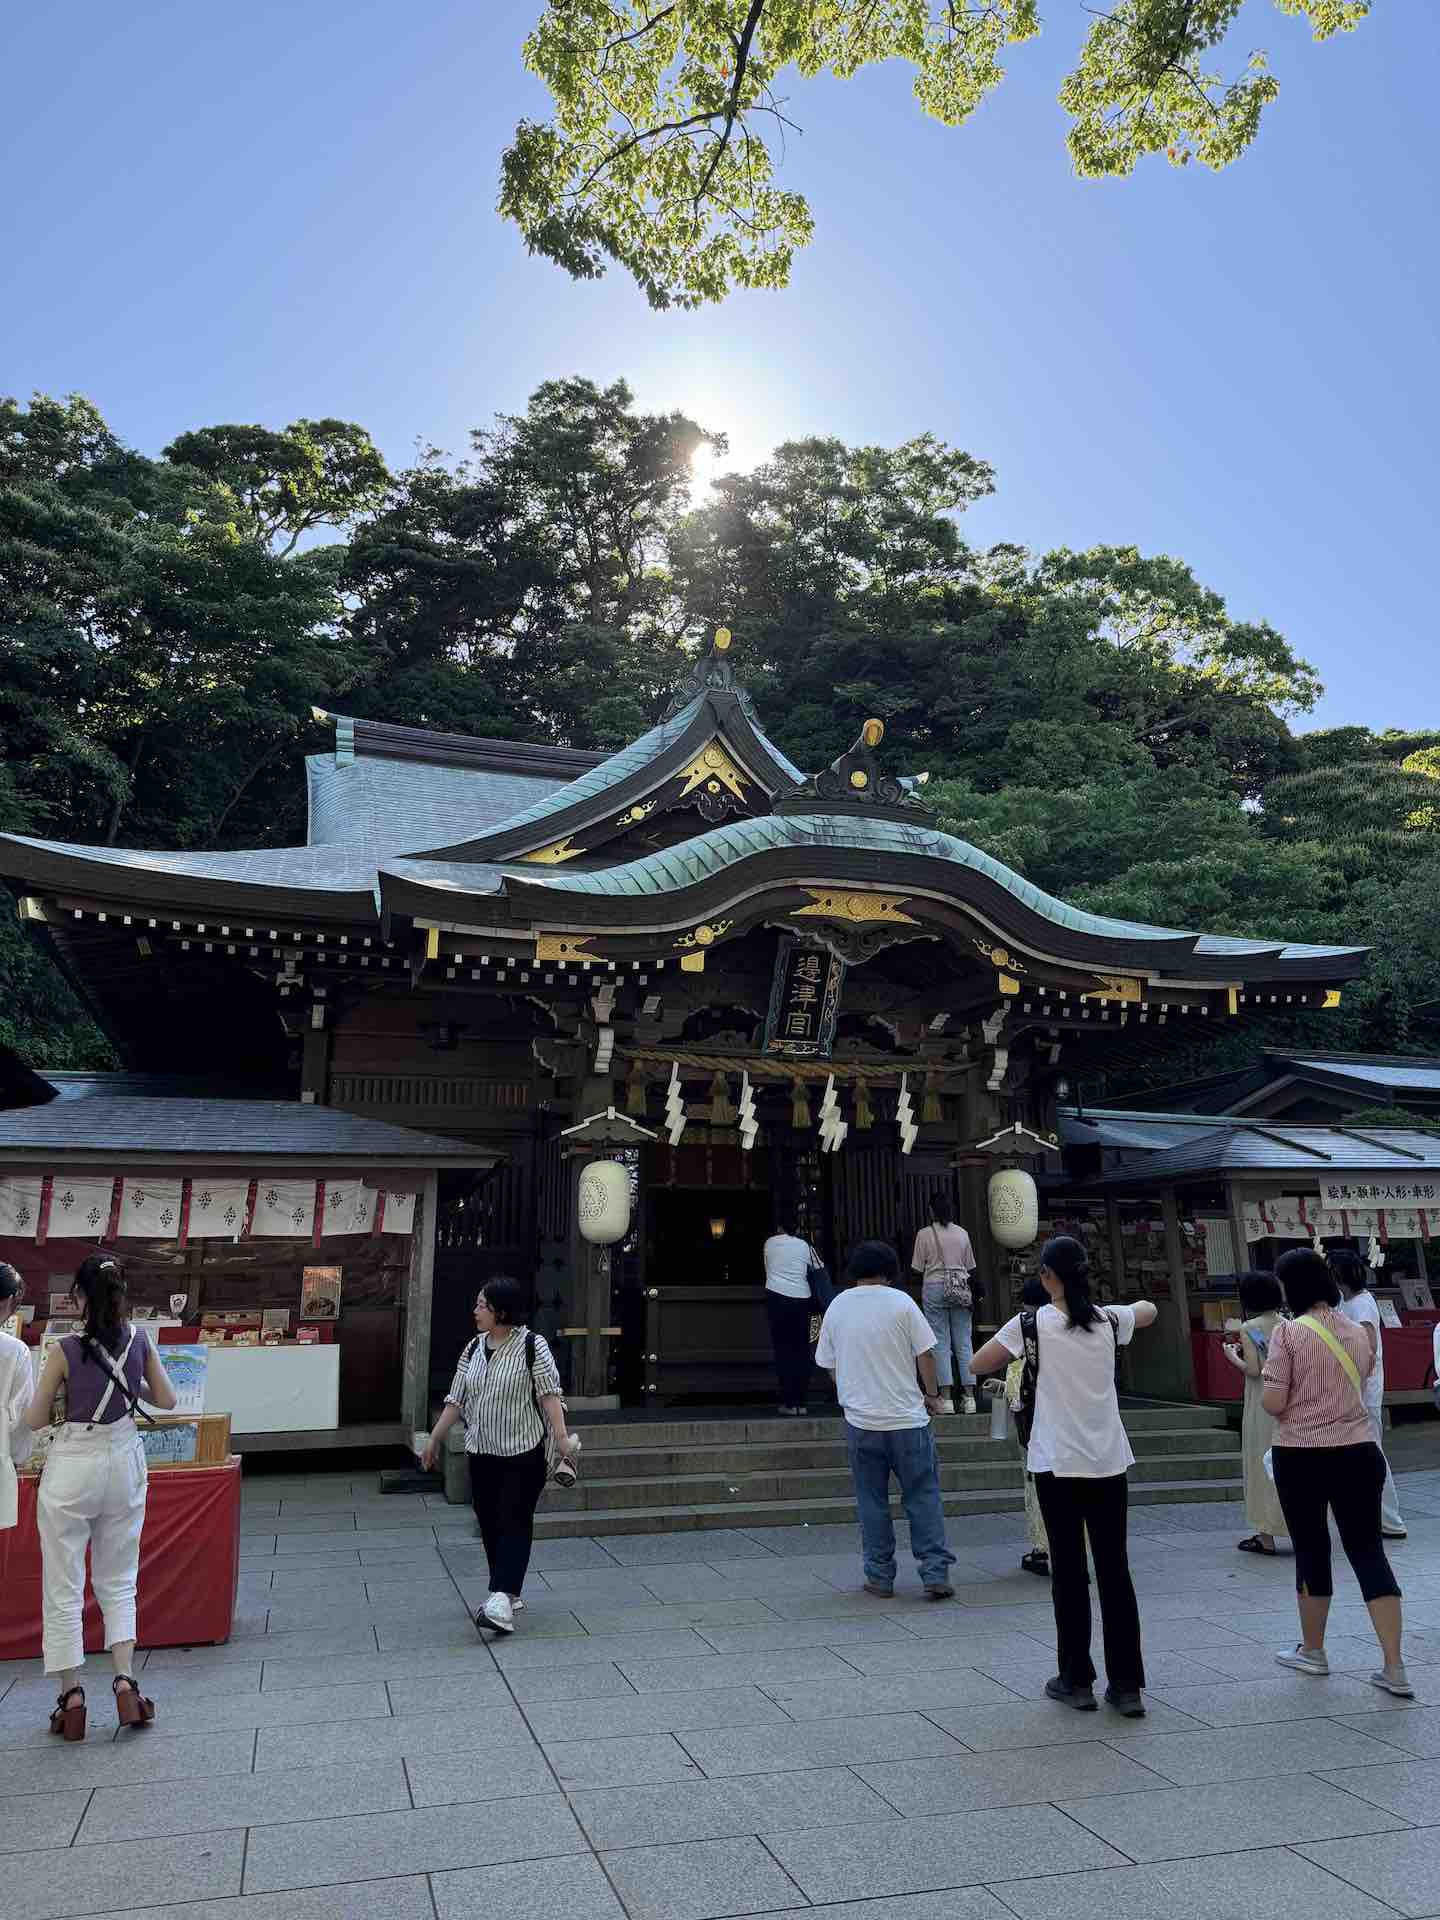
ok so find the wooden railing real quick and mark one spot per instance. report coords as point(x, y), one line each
point(424, 1092)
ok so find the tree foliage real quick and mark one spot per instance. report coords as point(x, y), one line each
point(659, 155)
point(1099, 721)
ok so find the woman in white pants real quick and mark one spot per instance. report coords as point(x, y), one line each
point(92, 1492)
point(16, 1439)
point(1357, 1303)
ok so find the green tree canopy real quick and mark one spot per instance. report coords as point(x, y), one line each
point(659, 153)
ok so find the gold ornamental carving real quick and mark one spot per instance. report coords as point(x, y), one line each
point(713, 769)
point(1001, 958)
point(632, 816)
point(705, 935)
point(859, 907)
point(554, 854)
point(1117, 989)
point(564, 946)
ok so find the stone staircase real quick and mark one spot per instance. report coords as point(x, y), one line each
point(661, 1475)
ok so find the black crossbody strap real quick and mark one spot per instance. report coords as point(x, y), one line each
point(106, 1360)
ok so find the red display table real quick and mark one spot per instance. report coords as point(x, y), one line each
point(1409, 1357)
point(189, 1563)
point(1215, 1378)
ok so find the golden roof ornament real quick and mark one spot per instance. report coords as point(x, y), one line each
point(855, 783)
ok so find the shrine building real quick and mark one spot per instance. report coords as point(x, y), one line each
point(770, 992)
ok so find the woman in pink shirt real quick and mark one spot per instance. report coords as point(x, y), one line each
point(945, 1260)
point(1325, 1460)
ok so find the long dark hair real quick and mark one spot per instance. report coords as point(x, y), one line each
point(100, 1283)
point(1070, 1264)
point(1349, 1269)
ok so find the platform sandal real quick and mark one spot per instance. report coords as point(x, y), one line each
point(68, 1722)
point(131, 1706)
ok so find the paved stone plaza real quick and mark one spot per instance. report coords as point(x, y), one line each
point(694, 1725)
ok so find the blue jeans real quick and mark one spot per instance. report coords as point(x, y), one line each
point(951, 1327)
point(908, 1453)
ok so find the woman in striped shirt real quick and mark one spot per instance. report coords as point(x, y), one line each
point(507, 1391)
point(1325, 1460)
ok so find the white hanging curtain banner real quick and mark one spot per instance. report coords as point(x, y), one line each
point(283, 1209)
point(347, 1208)
point(79, 1209)
point(149, 1209)
point(399, 1213)
point(217, 1209)
point(19, 1207)
point(1300, 1220)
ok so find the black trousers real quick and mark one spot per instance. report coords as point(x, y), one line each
point(1348, 1481)
point(790, 1338)
point(505, 1490)
point(1072, 1509)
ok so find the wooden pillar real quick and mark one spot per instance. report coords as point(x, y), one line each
point(419, 1295)
point(1175, 1326)
point(315, 1064)
point(1235, 1212)
point(1117, 1281)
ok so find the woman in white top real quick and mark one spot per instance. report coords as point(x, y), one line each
point(1079, 1454)
point(788, 1307)
point(945, 1260)
point(16, 1439)
point(507, 1391)
point(1357, 1303)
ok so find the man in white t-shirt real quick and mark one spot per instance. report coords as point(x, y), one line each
point(872, 1340)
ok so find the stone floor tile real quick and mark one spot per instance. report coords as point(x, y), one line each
point(1040, 1722)
point(407, 1899)
point(1270, 1882)
point(300, 1613)
point(1253, 1662)
point(956, 1903)
point(699, 1880)
point(417, 1663)
point(1416, 1731)
point(992, 1653)
point(243, 1800)
point(1178, 1823)
point(698, 1582)
point(653, 1616)
point(682, 1646)
point(1410, 1788)
point(338, 1549)
point(890, 1693)
point(794, 1668)
point(780, 1635)
point(105, 1763)
point(306, 1644)
point(390, 1738)
point(500, 1772)
point(563, 1889)
point(296, 1707)
point(708, 1546)
point(949, 1850)
point(455, 1630)
point(331, 1852)
point(720, 1809)
point(596, 1584)
point(80, 1880)
point(636, 1760)
point(449, 1692)
point(576, 1553)
point(32, 1820)
point(1398, 1869)
point(193, 1688)
point(537, 1684)
point(816, 1743)
point(1291, 1746)
point(654, 1713)
point(1016, 1778)
point(1295, 1696)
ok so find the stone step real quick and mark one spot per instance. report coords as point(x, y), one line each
point(799, 1456)
point(710, 1489)
point(599, 1432)
point(551, 1523)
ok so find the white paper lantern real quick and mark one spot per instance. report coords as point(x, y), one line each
point(1014, 1208)
point(603, 1199)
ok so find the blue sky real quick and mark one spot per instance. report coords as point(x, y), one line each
point(271, 211)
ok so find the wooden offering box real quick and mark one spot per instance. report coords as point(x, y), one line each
point(186, 1440)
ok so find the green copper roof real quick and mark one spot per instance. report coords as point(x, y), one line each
point(696, 860)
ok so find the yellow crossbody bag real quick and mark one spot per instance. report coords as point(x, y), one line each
point(1352, 1372)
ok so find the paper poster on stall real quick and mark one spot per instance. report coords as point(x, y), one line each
point(186, 1369)
point(320, 1293)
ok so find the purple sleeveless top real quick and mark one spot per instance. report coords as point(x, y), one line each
point(89, 1378)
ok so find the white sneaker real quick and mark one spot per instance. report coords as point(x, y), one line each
point(968, 1405)
point(1306, 1660)
point(1394, 1680)
point(947, 1405)
point(498, 1613)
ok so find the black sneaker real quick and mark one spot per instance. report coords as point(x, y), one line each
point(1130, 1704)
point(1081, 1698)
